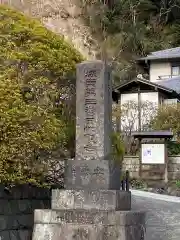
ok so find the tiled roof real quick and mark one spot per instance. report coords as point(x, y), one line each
point(171, 83)
point(163, 54)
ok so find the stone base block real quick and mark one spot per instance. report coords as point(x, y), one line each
point(88, 225)
point(92, 174)
point(88, 199)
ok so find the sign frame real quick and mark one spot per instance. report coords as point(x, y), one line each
point(153, 145)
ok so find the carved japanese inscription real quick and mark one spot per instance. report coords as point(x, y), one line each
point(90, 108)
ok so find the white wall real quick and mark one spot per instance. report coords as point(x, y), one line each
point(129, 119)
point(149, 103)
point(159, 69)
point(150, 96)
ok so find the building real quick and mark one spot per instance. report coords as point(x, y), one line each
point(162, 87)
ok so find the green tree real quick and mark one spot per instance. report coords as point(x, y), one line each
point(36, 94)
point(167, 118)
point(129, 29)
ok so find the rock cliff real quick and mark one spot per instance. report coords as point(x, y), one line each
point(63, 17)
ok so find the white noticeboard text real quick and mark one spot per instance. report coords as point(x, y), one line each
point(152, 153)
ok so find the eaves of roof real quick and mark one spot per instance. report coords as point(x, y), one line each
point(145, 82)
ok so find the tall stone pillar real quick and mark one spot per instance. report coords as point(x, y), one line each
point(92, 207)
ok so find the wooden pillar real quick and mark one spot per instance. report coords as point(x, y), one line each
point(166, 162)
point(118, 119)
point(139, 109)
point(140, 158)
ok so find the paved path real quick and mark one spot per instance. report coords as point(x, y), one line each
point(163, 215)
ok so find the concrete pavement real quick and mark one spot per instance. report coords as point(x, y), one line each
point(163, 214)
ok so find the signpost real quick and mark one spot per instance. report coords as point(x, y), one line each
point(153, 152)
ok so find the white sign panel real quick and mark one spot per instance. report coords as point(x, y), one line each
point(153, 153)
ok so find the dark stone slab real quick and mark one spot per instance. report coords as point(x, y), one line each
point(87, 199)
point(101, 174)
point(16, 235)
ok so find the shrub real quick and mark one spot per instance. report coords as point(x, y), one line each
point(117, 148)
point(36, 92)
point(167, 118)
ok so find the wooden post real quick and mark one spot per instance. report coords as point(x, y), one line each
point(123, 185)
point(166, 162)
point(127, 180)
point(139, 109)
point(140, 159)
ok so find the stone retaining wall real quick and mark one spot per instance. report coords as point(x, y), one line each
point(153, 172)
point(17, 210)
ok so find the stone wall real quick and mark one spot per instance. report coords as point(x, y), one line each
point(152, 172)
point(17, 210)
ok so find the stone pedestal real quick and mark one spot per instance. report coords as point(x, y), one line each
point(102, 200)
point(92, 174)
point(92, 207)
point(88, 225)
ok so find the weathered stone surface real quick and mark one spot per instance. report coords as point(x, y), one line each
point(88, 199)
point(120, 218)
point(101, 174)
point(93, 111)
point(87, 209)
point(67, 232)
point(133, 232)
point(55, 225)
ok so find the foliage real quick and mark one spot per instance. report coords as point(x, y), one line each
point(138, 183)
point(178, 184)
point(117, 148)
point(128, 29)
point(173, 148)
point(133, 117)
point(36, 96)
point(167, 118)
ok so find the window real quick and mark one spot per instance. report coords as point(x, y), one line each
point(175, 70)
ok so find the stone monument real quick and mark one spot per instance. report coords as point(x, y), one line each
point(92, 207)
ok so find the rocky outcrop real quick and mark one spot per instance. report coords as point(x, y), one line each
point(63, 17)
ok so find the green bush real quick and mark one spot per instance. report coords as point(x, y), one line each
point(118, 149)
point(37, 69)
point(173, 148)
point(178, 184)
point(167, 118)
point(137, 183)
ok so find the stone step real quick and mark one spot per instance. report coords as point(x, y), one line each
point(88, 199)
point(91, 225)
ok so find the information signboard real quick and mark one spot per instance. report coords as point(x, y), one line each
point(153, 153)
